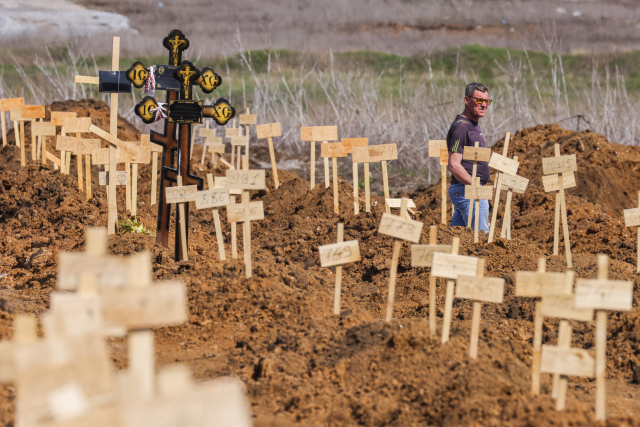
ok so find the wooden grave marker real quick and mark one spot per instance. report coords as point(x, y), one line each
point(214, 198)
point(450, 266)
point(181, 195)
point(400, 228)
point(142, 157)
point(349, 144)
point(559, 165)
point(475, 154)
point(435, 148)
point(203, 132)
point(246, 120)
point(372, 154)
point(32, 113)
point(479, 289)
point(632, 219)
point(315, 134)
point(602, 294)
point(422, 256)
point(269, 131)
point(503, 164)
point(397, 203)
point(78, 125)
point(334, 150)
point(156, 149)
point(42, 129)
point(230, 133)
point(477, 192)
point(513, 184)
point(58, 119)
point(246, 180)
point(6, 105)
point(221, 182)
point(338, 254)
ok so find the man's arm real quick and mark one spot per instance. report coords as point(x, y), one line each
point(457, 170)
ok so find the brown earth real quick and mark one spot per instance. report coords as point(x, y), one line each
point(275, 331)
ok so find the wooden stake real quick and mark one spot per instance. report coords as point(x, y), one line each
point(356, 202)
point(367, 190)
point(397, 245)
point(537, 338)
point(506, 222)
point(560, 382)
point(563, 211)
point(44, 150)
point(16, 132)
point(216, 222)
point(337, 291)
point(204, 144)
point(326, 170)
point(448, 303)
point(63, 154)
point(113, 130)
point(433, 240)
point(385, 183)
point(443, 210)
point(33, 142)
point(23, 155)
point(183, 228)
point(638, 251)
point(477, 218)
point(234, 233)
point(79, 166)
point(3, 122)
point(154, 177)
point(274, 167)
point(246, 234)
point(336, 193)
point(498, 189)
point(475, 322)
point(127, 168)
point(87, 162)
point(473, 181)
point(134, 189)
point(39, 146)
point(313, 165)
point(142, 361)
point(601, 346)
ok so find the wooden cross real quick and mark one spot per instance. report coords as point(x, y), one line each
point(269, 131)
point(436, 146)
point(371, 154)
point(513, 184)
point(475, 154)
point(397, 203)
point(477, 192)
point(142, 157)
point(204, 132)
point(334, 150)
point(57, 119)
point(315, 134)
point(507, 166)
point(400, 228)
point(349, 144)
point(237, 142)
point(22, 114)
point(450, 266)
point(479, 289)
point(214, 198)
point(6, 105)
point(41, 129)
point(246, 180)
point(422, 256)
point(230, 133)
point(338, 254)
point(632, 219)
point(558, 165)
point(32, 113)
point(155, 150)
point(602, 294)
point(221, 182)
point(181, 195)
point(78, 126)
point(113, 131)
point(247, 120)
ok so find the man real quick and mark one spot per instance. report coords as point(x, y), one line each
point(465, 131)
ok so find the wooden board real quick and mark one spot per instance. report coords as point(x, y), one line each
point(269, 130)
point(517, 183)
point(485, 289)
point(632, 217)
point(375, 153)
point(550, 182)
point(451, 266)
point(138, 307)
point(324, 133)
point(109, 270)
point(435, 146)
point(43, 129)
point(231, 132)
point(247, 119)
point(212, 198)
point(15, 114)
point(74, 314)
point(77, 125)
point(444, 156)
point(567, 361)
point(397, 203)
point(221, 182)
point(58, 117)
point(216, 148)
point(241, 141)
point(9, 104)
point(604, 294)
point(246, 179)
point(533, 284)
point(350, 143)
point(503, 164)
point(563, 307)
point(476, 154)
point(33, 112)
point(339, 253)
point(306, 133)
point(478, 192)
point(400, 228)
point(100, 156)
point(422, 255)
point(143, 156)
point(235, 213)
point(561, 164)
point(121, 177)
point(183, 194)
point(67, 143)
point(332, 149)
point(87, 146)
point(207, 133)
point(156, 148)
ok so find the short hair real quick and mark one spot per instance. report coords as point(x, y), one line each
point(472, 87)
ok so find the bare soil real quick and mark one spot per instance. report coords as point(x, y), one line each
point(304, 366)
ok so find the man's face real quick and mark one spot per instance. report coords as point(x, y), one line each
point(479, 110)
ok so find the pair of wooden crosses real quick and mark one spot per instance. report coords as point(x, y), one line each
point(19, 113)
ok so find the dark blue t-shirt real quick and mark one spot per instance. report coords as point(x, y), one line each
point(465, 133)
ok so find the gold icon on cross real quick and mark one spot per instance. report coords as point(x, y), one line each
point(176, 43)
point(186, 74)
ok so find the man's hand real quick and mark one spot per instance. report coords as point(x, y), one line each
point(457, 170)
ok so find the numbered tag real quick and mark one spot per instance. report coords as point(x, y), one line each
point(339, 253)
point(351, 143)
point(207, 133)
point(422, 255)
point(561, 164)
point(216, 148)
point(43, 129)
point(563, 307)
point(451, 266)
point(212, 198)
point(551, 183)
point(503, 164)
point(604, 294)
point(33, 112)
point(332, 150)
point(231, 132)
point(477, 154)
point(241, 141)
point(269, 130)
point(375, 153)
point(397, 203)
point(400, 228)
point(435, 145)
point(248, 119)
point(143, 155)
point(235, 213)
point(86, 146)
point(246, 179)
point(67, 143)
point(58, 117)
point(517, 183)
point(485, 289)
point(186, 193)
point(324, 133)
point(121, 178)
point(478, 192)
point(100, 156)
point(221, 182)
point(632, 217)
point(567, 361)
point(533, 284)
point(306, 133)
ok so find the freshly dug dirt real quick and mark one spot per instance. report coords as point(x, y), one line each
point(304, 366)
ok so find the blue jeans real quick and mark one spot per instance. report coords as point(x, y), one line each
point(461, 205)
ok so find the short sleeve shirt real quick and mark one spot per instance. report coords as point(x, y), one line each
point(465, 133)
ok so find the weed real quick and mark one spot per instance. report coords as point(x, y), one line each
point(134, 226)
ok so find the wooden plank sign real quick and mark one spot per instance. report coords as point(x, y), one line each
point(503, 164)
point(67, 143)
point(142, 156)
point(103, 177)
point(247, 119)
point(534, 284)
point(550, 182)
point(485, 289)
point(33, 112)
point(8, 104)
point(559, 164)
point(375, 153)
point(216, 148)
point(604, 294)
point(632, 217)
point(109, 270)
point(478, 192)
point(269, 130)
point(476, 154)
point(77, 125)
point(435, 147)
point(451, 266)
point(181, 194)
point(240, 141)
point(396, 203)
point(246, 179)
point(324, 133)
point(58, 117)
point(333, 150)
point(306, 133)
point(235, 213)
point(230, 132)
point(351, 143)
point(87, 146)
point(212, 198)
point(422, 255)
point(517, 183)
point(400, 228)
point(563, 307)
point(339, 253)
point(221, 182)
point(43, 129)
point(567, 361)
point(100, 156)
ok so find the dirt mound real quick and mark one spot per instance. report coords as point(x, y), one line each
point(304, 366)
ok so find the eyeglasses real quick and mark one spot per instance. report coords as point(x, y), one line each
point(481, 101)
